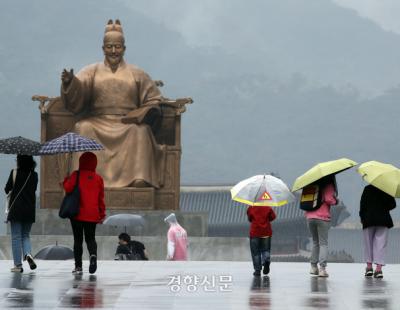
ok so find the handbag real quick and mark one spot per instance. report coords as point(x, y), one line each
point(70, 205)
point(8, 196)
point(8, 200)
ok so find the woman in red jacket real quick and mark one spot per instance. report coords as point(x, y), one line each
point(260, 237)
point(91, 209)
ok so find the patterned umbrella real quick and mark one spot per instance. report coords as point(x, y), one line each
point(19, 145)
point(68, 143)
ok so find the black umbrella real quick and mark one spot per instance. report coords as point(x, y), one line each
point(19, 145)
point(55, 252)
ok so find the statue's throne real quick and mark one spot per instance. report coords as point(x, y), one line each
point(56, 120)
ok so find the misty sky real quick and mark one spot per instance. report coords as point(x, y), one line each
point(383, 12)
point(278, 85)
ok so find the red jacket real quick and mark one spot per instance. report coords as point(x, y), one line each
point(260, 218)
point(91, 186)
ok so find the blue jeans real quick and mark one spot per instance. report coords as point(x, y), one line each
point(260, 249)
point(20, 241)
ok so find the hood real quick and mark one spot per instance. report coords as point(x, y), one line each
point(171, 219)
point(88, 161)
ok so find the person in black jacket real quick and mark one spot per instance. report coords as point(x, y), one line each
point(22, 183)
point(376, 220)
point(130, 249)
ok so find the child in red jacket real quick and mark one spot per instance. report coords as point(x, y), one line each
point(91, 209)
point(260, 237)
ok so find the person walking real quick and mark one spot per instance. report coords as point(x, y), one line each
point(318, 222)
point(22, 184)
point(177, 239)
point(91, 209)
point(375, 206)
point(260, 218)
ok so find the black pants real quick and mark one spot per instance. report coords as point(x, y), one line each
point(89, 229)
point(260, 251)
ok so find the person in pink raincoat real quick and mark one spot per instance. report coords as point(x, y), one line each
point(177, 239)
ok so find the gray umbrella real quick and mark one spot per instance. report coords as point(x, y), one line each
point(19, 146)
point(125, 220)
point(55, 252)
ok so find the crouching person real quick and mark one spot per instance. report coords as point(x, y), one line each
point(130, 249)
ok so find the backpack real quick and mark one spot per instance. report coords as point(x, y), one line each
point(311, 198)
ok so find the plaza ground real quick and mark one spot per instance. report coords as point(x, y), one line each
point(196, 285)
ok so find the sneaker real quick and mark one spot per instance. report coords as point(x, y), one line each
point(266, 267)
point(369, 272)
point(378, 274)
point(77, 271)
point(17, 269)
point(30, 261)
point(314, 270)
point(322, 273)
point(93, 264)
point(257, 273)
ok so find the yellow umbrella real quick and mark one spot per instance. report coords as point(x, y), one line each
point(386, 177)
point(322, 170)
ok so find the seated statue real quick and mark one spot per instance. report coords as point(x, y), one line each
point(120, 106)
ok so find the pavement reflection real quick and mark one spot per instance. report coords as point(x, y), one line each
point(259, 297)
point(144, 285)
point(319, 299)
point(83, 293)
point(375, 294)
point(21, 291)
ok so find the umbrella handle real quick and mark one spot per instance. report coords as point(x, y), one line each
point(69, 162)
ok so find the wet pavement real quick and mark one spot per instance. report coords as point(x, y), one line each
point(196, 285)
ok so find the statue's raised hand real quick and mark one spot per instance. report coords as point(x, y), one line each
point(66, 77)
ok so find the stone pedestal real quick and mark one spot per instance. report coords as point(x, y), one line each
point(130, 198)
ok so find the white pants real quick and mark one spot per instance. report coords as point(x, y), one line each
point(375, 242)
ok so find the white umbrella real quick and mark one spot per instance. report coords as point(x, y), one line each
point(262, 190)
point(125, 220)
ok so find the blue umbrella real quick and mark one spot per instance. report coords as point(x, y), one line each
point(68, 143)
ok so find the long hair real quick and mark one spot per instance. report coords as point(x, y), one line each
point(329, 179)
point(25, 162)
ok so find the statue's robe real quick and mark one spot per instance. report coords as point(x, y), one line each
point(104, 98)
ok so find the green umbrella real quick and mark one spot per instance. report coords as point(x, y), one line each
point(386, 177)
point(322, 170)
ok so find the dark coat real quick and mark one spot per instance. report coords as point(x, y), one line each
point(23, 209)
point(375, 206)
point(134, 250)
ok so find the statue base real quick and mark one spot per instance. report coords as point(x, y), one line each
point(127, 198)
point(196, 223)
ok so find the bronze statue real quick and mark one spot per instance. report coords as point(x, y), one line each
point(121, 105)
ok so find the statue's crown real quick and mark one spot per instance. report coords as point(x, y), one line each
point(111, 26)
